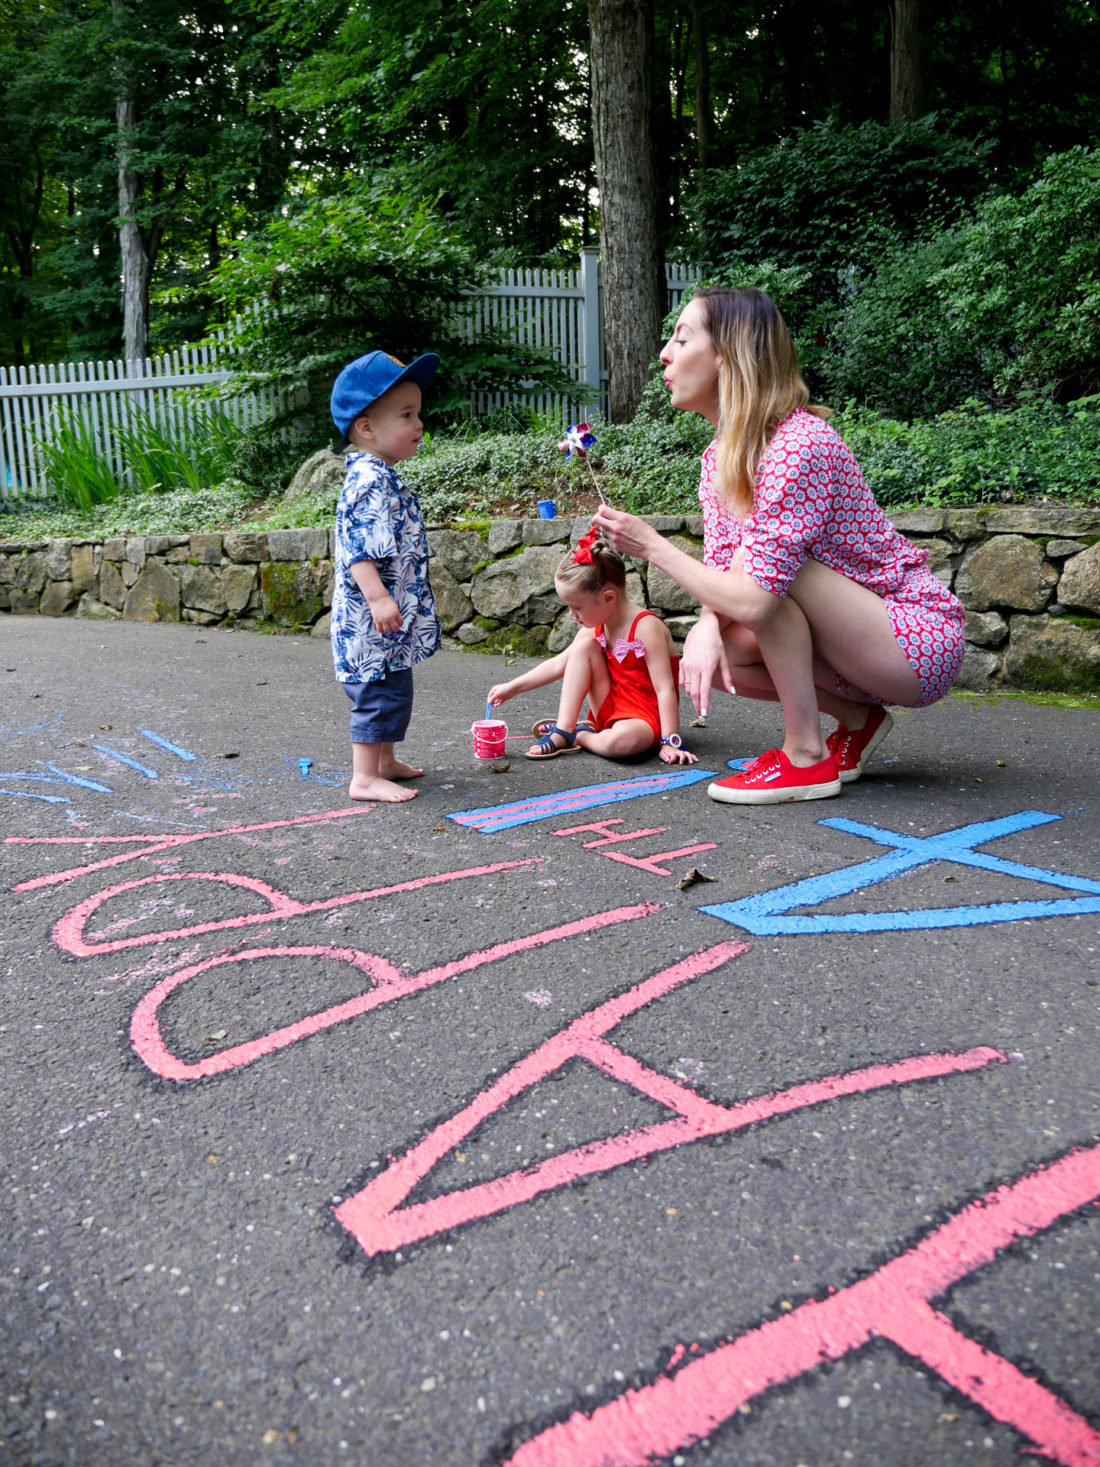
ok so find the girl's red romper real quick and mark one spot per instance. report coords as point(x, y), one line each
point(632, 693)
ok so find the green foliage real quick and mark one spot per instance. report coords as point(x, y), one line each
point(83, 467)
point(182, 512)
point(363, 268)
point(1005, 307)
point(1027, 281)
point(647, 465)
point(899, 347)
point(825, 203)
point(75, 465)
point(481, 106)
point(974, 455)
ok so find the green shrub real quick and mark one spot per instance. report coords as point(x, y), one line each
point(828, 201)
point(973, 455)
point(367, 266)
point(1026, 282)
point(1006, 307)
point(899, 348)
point(84, 466)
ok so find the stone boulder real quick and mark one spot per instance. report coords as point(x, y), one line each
point(293, 592)
point(154, 596)
point(58, 598)
point(1079, 587)
point(452, 603)
point(664, 593)
point(201, 590)
point(1008, 571)
point(461, 551)
point(500, 589)
point(1052, 654)
point(112, 588)
point(985, 628)
point(979, 672)
point(321, 474)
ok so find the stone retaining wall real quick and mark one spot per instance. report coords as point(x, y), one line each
point(1029, 578)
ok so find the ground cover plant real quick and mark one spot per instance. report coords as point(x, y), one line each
point(1039, 452)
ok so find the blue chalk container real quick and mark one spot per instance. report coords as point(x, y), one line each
point(547, 510)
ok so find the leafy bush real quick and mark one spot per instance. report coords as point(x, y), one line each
point(973, 455)
point(84, 466)
point(899, 347)
point(177, 512)
point(361, 268)
point(1027, 281)
point(1005, 307)
point(646, 466)
point(828, 201)
point(75, 466)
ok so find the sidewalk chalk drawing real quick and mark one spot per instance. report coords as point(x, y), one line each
point(564, 802)
point(380, 1223)
point(387, 984)
point(651, 1423)
point(696, 1392)
point(769, 913)
point(608, 837)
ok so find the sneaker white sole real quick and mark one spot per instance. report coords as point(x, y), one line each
point(848, 776)
point(726, 796)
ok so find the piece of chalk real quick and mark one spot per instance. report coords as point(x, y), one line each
point(488, 710)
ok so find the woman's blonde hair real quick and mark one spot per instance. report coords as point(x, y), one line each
point(759, 383)
point(606, 568)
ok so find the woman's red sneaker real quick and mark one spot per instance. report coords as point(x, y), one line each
point(852, 747)
point(773, 780)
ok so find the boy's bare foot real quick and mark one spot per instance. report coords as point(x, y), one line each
point(398, 769)
point(380, 789)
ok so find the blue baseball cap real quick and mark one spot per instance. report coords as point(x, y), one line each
point(367, 378)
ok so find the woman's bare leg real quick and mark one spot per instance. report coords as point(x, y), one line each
point(826, 625)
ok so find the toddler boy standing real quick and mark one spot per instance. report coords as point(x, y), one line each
point(383, 613)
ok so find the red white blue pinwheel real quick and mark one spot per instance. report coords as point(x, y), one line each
point(578, 439)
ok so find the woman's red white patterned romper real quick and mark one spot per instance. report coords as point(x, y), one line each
point(811, 503)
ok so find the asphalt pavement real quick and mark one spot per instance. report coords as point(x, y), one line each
point(559, 1116)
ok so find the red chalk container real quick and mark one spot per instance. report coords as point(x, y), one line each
point(489, 735)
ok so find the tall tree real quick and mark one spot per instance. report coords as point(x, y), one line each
point(910, 49)
point(619, 53)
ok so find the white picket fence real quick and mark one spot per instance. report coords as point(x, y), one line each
point(560, 311)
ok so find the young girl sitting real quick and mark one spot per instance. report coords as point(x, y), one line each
point(621, 660)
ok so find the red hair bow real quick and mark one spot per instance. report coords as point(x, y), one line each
point(582, 551)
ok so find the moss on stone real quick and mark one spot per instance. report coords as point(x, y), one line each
point(479, 527)
point(291, 599)
point(1089, 701)
point(516, 641)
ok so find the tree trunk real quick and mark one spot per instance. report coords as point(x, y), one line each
point(702, 84)
point(909, 49)
point(632, 268)
point(136, 269)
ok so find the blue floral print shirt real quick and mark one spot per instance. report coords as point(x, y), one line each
point(378, 518)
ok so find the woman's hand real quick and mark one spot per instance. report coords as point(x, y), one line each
point(704, 662)
point(627, 534)
point(670, 755)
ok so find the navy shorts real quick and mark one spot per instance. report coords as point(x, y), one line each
point(382, 709)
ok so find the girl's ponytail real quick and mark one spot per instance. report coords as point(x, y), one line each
point(592, 565)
